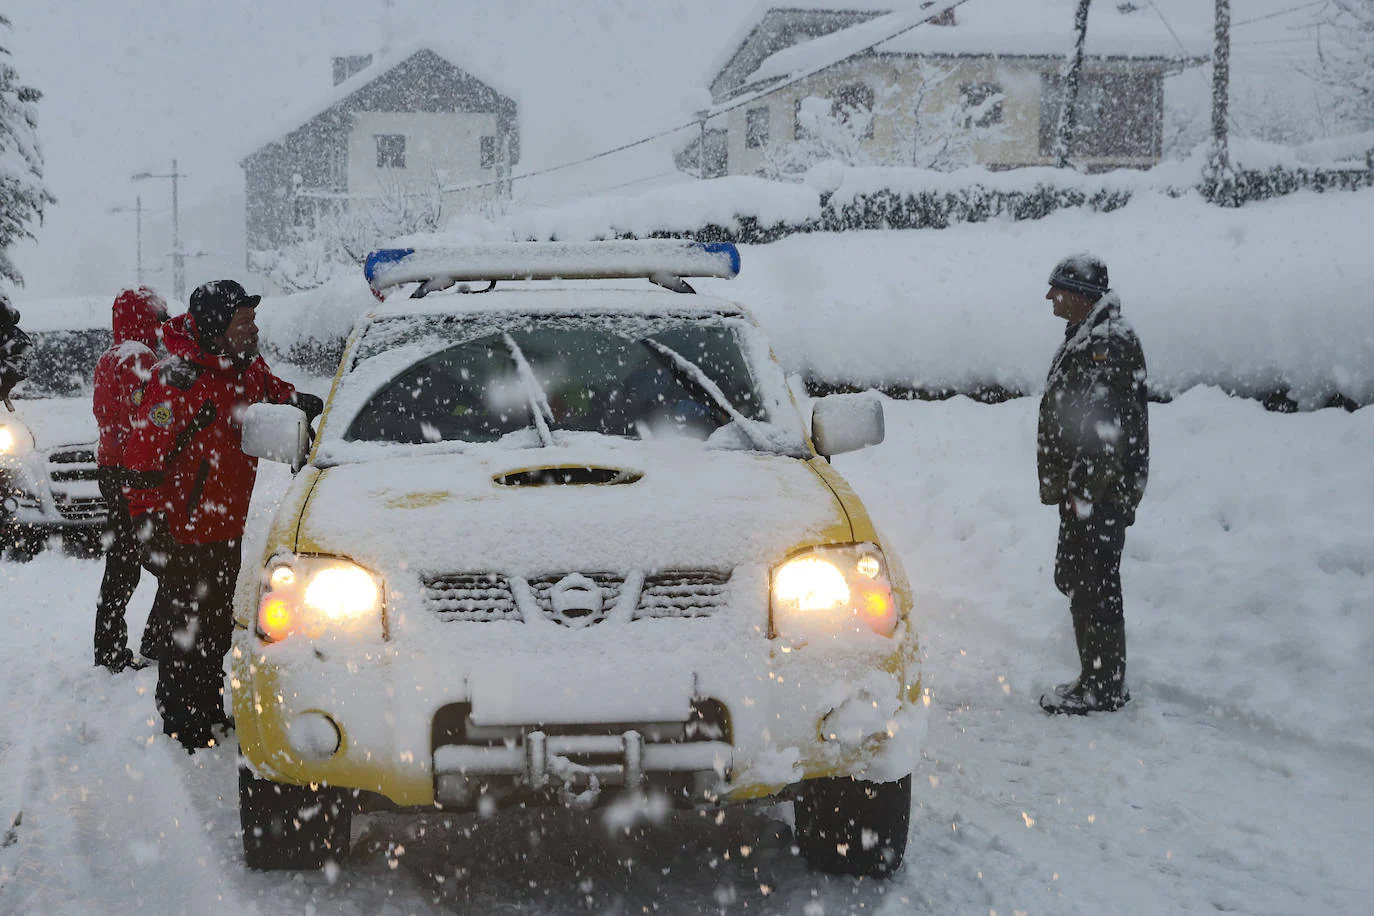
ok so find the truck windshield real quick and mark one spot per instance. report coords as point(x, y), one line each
point(559, 375)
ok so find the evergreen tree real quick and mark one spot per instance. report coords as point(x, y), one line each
point(23, 195)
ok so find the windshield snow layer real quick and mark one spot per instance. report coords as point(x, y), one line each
point(498, 378)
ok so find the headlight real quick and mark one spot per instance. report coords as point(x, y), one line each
point(319, 597)
point(832, 590)
point(13, 439)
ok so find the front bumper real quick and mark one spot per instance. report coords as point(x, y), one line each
point(438, 722)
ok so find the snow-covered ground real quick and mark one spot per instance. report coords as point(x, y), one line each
point(1237, 780)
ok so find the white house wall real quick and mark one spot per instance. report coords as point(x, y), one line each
point(442, 149)
point(1018, 142)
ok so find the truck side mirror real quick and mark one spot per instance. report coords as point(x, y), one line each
point(846, 423)
point(277, 432)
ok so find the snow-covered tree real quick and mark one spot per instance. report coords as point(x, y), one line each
point(943, 138)
point(1346, 43)
point(840, 129)
point(23, 195)
point(344, 231)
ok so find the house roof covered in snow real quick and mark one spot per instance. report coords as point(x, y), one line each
point(467, 90)
point(792, 39)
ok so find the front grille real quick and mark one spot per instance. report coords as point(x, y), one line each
point(543, 587)
point(683, 593)
point(472, 597)
point(75, 465)
point(68, 464)
point(80, 455)
point(671, 594)
point(82, 509)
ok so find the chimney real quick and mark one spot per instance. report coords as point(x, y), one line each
point(945, 17)
point(346, 66)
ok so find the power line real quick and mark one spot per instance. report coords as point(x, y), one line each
point(1293, 9)
point(743, 100)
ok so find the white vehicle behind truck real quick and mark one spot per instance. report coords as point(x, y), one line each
point(48, 481)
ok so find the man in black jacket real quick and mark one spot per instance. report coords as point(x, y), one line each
point(1093, 456)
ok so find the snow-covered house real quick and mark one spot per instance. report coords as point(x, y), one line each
point(412, 129)
point(980, 81)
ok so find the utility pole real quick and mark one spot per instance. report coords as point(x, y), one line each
point(137, 210)
point(178, 256)
point(1068, 115)
point(701, 149)
point(1220, 162)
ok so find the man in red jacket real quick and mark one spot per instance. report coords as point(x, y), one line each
point(120, 376)
point(187, 461)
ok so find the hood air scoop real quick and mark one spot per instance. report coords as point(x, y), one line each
point(566, 476)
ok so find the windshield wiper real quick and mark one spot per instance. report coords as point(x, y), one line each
point(534, 393)
point(681, 364)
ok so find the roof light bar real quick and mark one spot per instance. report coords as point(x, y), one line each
point(653, 259)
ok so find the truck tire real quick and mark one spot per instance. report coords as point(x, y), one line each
point(848, 826)
point(292, 827)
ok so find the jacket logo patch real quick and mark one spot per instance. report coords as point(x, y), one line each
point(1099, 356)
point(161, 415)
point(137, 397)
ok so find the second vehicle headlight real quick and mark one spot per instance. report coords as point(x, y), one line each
point(13, 439)
point(319, 597)
point(831, 590)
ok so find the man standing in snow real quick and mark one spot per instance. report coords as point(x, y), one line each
point(187, 461)
point(1093, 455)
point(121, 374)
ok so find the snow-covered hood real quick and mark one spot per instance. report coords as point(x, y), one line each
point(686, 507)
point(54, 422)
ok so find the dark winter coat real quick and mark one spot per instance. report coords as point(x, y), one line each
point(13, 344)
point(1094, 435)
point(124, 369)
point(187, 458)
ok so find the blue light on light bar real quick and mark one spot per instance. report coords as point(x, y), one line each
point(384, 256)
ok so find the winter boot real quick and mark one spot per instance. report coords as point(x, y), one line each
point(120, 661)
point(1082, 700)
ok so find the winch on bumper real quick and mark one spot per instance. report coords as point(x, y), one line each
point(689, 761)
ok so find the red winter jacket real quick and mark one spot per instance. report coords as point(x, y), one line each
point(187, 456)
point(123, 370)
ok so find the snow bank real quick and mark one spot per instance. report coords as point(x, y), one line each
point(1274, 295)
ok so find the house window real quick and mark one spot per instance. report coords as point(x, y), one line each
point(302, 213)
point(983, 104)
point(799, 132)
point(488, 152)
point(391, 151)
point(756, 127)
point(853, 105)
point(1118, 114)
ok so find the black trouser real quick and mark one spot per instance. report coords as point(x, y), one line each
point(1087, 568)
point(126, 553)
point(155, 545)
point(123, 569)
point(190, 680)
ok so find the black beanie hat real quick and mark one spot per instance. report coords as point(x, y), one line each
point(1081, 273)
point(213, 306)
